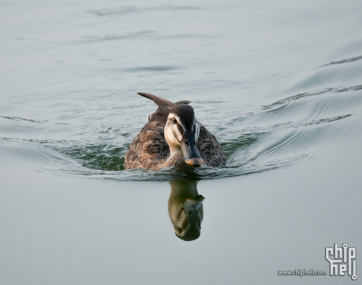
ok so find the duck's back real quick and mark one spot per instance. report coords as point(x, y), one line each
point(210, 148)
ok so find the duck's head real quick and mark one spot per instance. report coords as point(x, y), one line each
point(181, 133)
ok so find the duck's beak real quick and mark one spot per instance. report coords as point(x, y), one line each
point(191, 153)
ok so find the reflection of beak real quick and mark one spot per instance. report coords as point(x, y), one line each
point(192, 206)
point(191, 153)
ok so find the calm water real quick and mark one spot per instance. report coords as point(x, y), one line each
point(278, 83)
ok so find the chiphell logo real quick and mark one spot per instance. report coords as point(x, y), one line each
point(342, 260)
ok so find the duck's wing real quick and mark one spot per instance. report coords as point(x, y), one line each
point(149, 149)
point(164, 107)
point(210, 149)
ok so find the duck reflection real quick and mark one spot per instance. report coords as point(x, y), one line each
point(185, 209)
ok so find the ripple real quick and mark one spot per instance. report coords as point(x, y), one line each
point(275, 105)
point(89, 39)
point(175, 173)
point(352, 59)
point(123, 11)
point(23, 119)
point(114, 12)
point(40, 155)
point(152, 68)
point(101, 157)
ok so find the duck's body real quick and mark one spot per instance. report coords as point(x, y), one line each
point(172, 135)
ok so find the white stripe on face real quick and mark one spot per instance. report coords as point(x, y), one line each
point(193, 125)
point(197, 130)
point(172, 132)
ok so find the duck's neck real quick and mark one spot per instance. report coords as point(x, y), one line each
point(176, 155)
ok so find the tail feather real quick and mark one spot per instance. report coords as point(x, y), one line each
point(158, 100)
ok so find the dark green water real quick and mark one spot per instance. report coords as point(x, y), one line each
point(278, 84)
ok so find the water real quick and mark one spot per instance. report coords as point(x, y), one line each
point(278, 84)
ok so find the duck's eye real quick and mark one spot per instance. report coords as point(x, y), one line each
point(174, 121)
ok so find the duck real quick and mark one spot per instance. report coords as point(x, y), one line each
point(173, 136)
